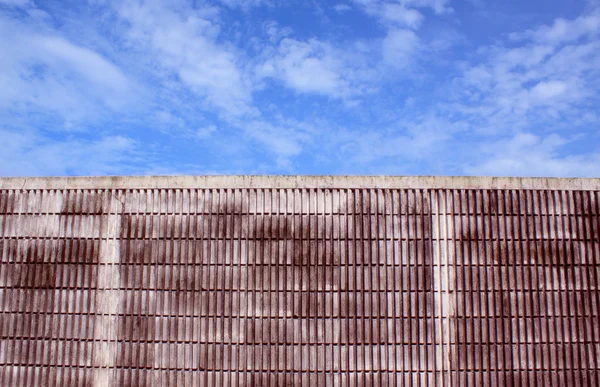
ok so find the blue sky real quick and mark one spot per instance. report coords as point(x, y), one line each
point(413, 87)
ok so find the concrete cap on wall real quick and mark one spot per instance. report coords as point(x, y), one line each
point(299, 181)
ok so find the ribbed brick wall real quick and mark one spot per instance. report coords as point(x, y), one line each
point(299, 286)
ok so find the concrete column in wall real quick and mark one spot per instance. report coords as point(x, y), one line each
point(443, 280)
point(108, 295)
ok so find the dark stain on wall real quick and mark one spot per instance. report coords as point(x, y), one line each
point(85, 202)
point(526, 264)
point(5, 203)
point(269, 237)
point(45, 278)
point(32, 266)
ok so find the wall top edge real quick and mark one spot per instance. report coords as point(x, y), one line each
point(299, 181)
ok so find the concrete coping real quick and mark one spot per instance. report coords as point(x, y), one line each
point(298, 181)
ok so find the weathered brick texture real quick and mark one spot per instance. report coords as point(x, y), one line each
point(299, 286)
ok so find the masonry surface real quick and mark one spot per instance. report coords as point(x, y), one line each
point(294, 280)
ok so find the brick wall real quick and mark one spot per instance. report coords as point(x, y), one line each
point(299, 286)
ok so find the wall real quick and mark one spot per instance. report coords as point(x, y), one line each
point(299, 281)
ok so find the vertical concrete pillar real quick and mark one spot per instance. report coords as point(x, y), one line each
point(108, 296)
point(443, 280)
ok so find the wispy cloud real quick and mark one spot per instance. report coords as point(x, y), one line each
point(399, 47)
point(366, 86)
point(245, 4)
point(526, 154)
point(529, 86)
point(47, 72)
point(17, 3)
point(341, 8)
point(181, 41)
point(402, 14)
point(30, 153)
point(562, 30)
point(311, 66)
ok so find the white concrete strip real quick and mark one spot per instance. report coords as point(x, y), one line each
point(437, 296)
point(443, 295)
point(449, 296)
point(246, 181)
point(108, 298)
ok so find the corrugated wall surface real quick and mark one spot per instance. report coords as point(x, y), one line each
point(228, 287)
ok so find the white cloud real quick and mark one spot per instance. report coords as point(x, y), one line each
point(525, 56)
point(483, 123)
point(17, 3)
point(538, 84)
point(415, 140)
point(206, 131)
point(402, 14)
point(402, 45)
point(29, 153)
point(438, 6)
point(182, 40)
point(208, 80)
point(60, 53)
point(399, 14)
point(377, 145)
point(277, 137)
point(310, 67)
point(340, 8)
point(170, 122)
point(526, 154)
point(245, 3)
point(548, 90)
point(563, 30)
point(399, 47)
point(43, 72)
point(275, 32)
point(282, 141)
